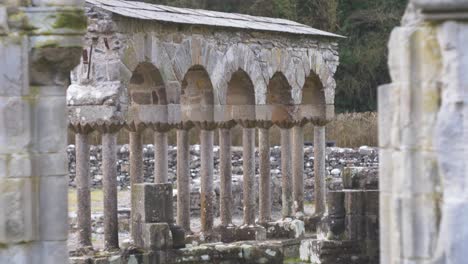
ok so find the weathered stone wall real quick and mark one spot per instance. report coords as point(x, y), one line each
point(118, 46)
point(40, 42)
point(423, 137)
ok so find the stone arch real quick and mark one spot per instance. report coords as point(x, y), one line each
point(197, 95)
point(241, 57)
point(146, 86)
point(279, 91)
point(325, 71)
point(313, 91)
point(240, 90)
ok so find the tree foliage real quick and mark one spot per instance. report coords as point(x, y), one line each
point(365, 23)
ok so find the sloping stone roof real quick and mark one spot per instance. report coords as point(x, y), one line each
point(146, 11)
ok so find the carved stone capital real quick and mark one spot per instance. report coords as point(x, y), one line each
point(184, 125)
point(247, 123)
point(227, 125)
point(161, 127)
point(79, 128)
point(285, 124)
point(134, 127)
point(265, 124)
point(206, 125)
point(108, 127)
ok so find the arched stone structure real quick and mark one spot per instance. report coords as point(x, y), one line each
point(142, 68)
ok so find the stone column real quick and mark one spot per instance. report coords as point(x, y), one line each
point(183, 176)
point(286, 172)
point(319, 169)
point(136, 157)
point(248, 166)
point(206, 175)
point(225, 173)
point(33, 127)
point(109, 184)
point(265, 172)
point(83, 189)
point(160, 154)
point(298, 169)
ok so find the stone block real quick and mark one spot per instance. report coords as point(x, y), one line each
point(152, 203)
point(53, 208)
point(355, 202)
point(372, 203)
point(14, 63)
point(18, 200)
point(53, 251)
point(355, 227)
point(178, 236)
point(286, 228)
point(49, 122)
point(19, 253)
point(4, 164)
point(245, 233)
point(20, 165)
point(154, 236)
point(51, 164)
point(15, 124)
point(226, 233)
point(336, 204)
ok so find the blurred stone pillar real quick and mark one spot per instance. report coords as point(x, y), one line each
point(265, 172)
point(422, 137)
point(136, 156)
point(183, 176)
point(33, 125)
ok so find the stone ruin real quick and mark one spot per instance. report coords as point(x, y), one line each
point(154, 67)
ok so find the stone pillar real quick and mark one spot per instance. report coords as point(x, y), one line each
point(206, 171)
point(109, 185)
point(298, 169)
point(319, 170)
point(225, 173)
point(423, 137)
point(33, 125)
point(183, 176)
point(160, 154)
point(83, 189)
point(286, 173)
point(136, 157)
point(265, 173)
point(248, 166)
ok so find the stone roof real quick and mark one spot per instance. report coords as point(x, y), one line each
point(146, 11)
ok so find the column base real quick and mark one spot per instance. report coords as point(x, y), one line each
point(227, 234)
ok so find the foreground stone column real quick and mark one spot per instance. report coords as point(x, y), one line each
point(136, 158)
point(225, 174)
point(183, 177)
point(423, 136)
point(206, 171)
point(83, 185)
point(298, 169)
point(286, 173)
point(265, 173)
point(160, 156)
point(319, 169)
point(248, 166)
point(109, 184)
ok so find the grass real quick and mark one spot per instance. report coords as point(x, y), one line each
point(97, 197)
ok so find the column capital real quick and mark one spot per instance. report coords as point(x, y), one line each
point(135, 127)
point(108, 128)
point(206, 125)
point(248, 123)
point(265, 124)
point(301, 123)
point(79, 128)
point(285, 124)
point(319, 121)
point(161, 127)
point(227, 124)
point(184, 125)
